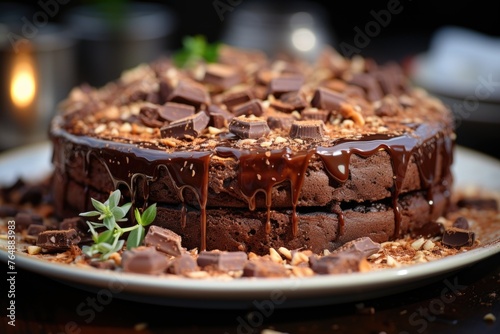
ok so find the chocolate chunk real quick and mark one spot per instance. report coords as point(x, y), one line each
point(188, 127)
point(280, 121)
point(7, 211)
point(429, 230)
point(219, 118)
point(285, 84)
point(310, 129)
point(249, 127)
point(225, 261)
point(163, 240)
point(315, 114)
point(282, 106)
point(149, 117)
point(252, 107)
point(234, 99)
point(154, 98)
point(295, 99)
point(457, 237)
point(35, 229)
point(189, 93)
point(165, 89)
point(222, 76)
point(369, 84)
point(363, 246)
point(462, 223)
point(172, 111)
point(58, 240)
point(264, 268)
point(144, 260)
point(24, 219)
point(338, 263)
point(478, 203)
point(327, 99)
point(182, 265)
point(79, 224)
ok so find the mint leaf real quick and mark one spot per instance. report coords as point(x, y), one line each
point(195, 49)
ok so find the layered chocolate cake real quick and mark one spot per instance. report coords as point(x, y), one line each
point(250, 153)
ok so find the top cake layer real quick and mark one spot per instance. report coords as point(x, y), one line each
point(310, 136)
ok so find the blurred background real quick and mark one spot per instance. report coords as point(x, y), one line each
point(49, 46)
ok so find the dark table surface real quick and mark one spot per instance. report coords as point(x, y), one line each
point(44, 305)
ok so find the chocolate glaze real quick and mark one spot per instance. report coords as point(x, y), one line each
point(259, 170)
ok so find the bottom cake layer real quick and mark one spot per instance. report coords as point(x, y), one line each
point(318, 228)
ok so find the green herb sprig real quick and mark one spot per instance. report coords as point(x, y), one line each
point(195, 49)
point(108, 241)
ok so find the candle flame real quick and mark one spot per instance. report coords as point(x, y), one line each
point(23, 85)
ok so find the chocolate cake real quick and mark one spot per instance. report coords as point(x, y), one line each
point(250, 153)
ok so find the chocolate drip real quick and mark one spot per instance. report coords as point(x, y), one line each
point(261, 170)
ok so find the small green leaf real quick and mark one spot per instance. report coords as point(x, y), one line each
point(101, 207)
point(90, 214)
point(211, 53)
point(109, 222)
point(106, 236)
point(149, 215)
point(136, 237)
point(114, 198)
point(118, 213)
point(138, 217)
point(126, 207)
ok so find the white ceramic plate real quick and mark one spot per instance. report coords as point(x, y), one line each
point(470, 168)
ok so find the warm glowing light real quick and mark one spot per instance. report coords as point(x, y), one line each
point(303, 39)
point(23, 84)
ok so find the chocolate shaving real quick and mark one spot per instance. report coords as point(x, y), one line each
point(189, 127)
point(247, 127)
